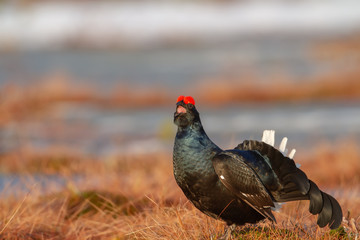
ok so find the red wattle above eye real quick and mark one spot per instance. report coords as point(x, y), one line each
point(180, 98)
point(189, 99)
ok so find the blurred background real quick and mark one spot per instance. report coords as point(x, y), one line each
point(101, 78)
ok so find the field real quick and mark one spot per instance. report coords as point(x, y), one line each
point(136, 197)
point(61, 192)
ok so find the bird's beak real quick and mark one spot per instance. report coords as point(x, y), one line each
point(180, 109)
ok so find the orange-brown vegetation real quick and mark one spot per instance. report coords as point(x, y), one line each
point(341, 86)
point(338, 48)
point(136, 197)
point(330, 165)
point(17, 101)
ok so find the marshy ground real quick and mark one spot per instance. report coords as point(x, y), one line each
point(56, 192)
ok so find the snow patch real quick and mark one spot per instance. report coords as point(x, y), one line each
point(153, 21)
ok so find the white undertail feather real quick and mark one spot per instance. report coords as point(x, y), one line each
point(269, 138)
point(277, 207)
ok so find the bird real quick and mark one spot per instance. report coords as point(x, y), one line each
point(244, 184)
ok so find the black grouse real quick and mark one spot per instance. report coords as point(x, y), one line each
point(241, 185)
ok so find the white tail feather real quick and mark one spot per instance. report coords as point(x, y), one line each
point(272, 138)
point(269, 138)
point(282, 146)
point(265, 136)
point(292, 153)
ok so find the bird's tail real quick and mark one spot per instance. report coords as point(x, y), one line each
point(294, 183)
point(326, 206)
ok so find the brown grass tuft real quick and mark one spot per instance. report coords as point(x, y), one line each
point(136, 197)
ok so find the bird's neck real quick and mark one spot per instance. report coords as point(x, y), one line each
point(194, 136)
point(193, 154)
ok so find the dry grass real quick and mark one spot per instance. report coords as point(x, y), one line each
point(334, 166)
point(219, 91)
point(17, 102)
point(136, 197)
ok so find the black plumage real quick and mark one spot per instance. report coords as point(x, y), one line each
point(240, 185)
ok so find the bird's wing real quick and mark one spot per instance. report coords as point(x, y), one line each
point(243, 182)
point(294, 182)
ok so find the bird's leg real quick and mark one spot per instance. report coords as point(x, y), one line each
point(228, 231)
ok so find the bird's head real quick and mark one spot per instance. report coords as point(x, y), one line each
point(186, 113)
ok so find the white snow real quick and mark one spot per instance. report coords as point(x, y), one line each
point(54, 23)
